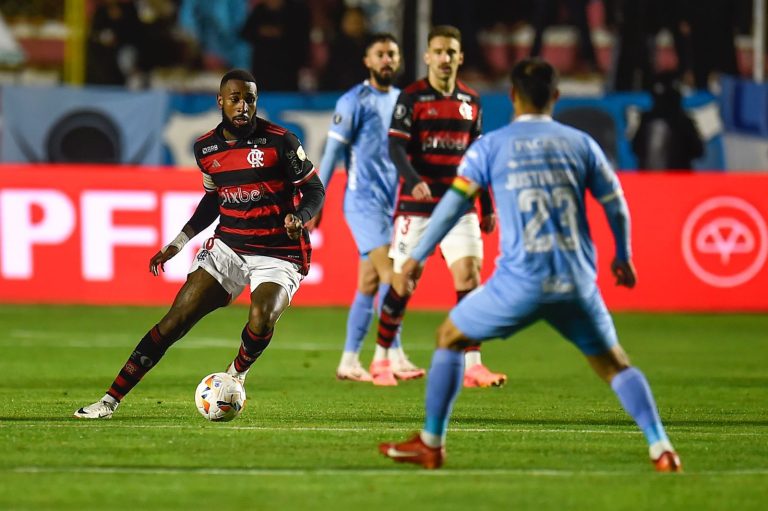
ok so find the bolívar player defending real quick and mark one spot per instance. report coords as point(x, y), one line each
point(358, 136)
point(539, 171)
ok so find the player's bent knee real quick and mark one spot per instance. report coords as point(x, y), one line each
point(262, 319)
point(451, 338)
point(609, 363)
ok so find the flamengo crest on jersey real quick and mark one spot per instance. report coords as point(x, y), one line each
point(257, 179)
point(256, 158)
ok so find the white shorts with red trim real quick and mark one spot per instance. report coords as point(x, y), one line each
point(235, 271)
point(463, 240)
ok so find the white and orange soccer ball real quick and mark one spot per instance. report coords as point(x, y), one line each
point(220, 397)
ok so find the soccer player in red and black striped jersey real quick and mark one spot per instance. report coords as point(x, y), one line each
point(260, 184)
point(434, 121)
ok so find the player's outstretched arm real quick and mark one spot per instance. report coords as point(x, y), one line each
point(206, 212)
point(624, 272)
point(333, 152)
point(617, 213)
point(413, 183)
point(312, 199)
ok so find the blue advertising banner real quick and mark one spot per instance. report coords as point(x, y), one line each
point(104, 125)
point(67, 125)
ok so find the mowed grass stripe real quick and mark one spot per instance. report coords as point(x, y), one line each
point(395, 471)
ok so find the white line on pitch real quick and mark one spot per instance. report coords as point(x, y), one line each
point(328, 429)
point(291, 472)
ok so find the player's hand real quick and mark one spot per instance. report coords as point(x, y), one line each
point(293, 226)
point(157, 262)
point(314, 222)
point(488, 223)
point(411, 272)
point(625, 273)
point(421, 191)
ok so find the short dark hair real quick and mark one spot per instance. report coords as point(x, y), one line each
point(237, 74)
point(379, 37)
point(444, 31)
point(535, 80)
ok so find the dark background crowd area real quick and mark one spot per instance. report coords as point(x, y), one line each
point(317, 45)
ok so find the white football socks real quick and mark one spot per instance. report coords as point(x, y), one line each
point(472, 358)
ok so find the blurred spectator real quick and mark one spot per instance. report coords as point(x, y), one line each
point(216, 27)
point(633, 68)
point(667, 138)
point(713, 31)
point(278, 31)
point(346, 50)
point(671, 15)
point(546, 13)
point(111, 42)
point(162, 43)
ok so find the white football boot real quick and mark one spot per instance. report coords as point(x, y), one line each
point(237, 375)
point(353, 371)
point(98, 410)
point(402, 367)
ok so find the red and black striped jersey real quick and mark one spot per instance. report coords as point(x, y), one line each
point(257, 180)
point(438, 130)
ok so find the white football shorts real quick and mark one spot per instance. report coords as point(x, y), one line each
point(463, 240)
point(235, 271)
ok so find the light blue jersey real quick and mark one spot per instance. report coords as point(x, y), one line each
point(539, 171)
point(361, 121)
point(358, 135)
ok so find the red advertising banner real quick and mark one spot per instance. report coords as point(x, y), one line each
point(84, 234)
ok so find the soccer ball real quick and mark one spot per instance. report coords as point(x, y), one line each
point(220, 397)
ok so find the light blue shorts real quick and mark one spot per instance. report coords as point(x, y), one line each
point(492, 311)
point(370, 230)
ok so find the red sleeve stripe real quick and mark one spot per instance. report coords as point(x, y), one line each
point(399, 134)
point(305, 178)
point(416, 86)
point(277, 130)
point(204, 136)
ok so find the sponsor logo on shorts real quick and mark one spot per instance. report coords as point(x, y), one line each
point(202, 255)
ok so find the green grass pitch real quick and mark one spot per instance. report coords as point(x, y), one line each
point(554, 438)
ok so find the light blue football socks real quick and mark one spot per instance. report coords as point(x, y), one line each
point(636, 397)
point(443, 385)
point(358, 321)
